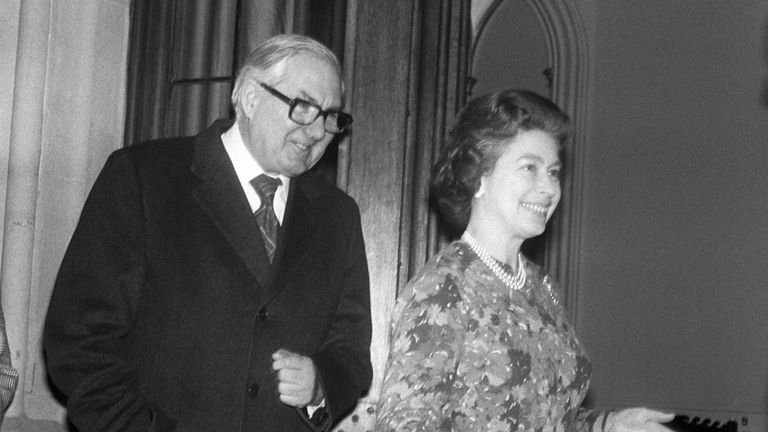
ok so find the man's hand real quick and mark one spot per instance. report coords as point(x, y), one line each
point(297, 379)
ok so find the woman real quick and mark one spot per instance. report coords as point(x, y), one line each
point(480, 341)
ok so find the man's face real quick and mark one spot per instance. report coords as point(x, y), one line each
point(280, 145)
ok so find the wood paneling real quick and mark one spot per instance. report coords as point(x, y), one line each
point(376, 151)
point(406, 66)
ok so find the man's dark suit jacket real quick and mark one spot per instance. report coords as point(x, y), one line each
point(166, 311)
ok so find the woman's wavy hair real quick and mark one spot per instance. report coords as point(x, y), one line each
point(482, 131)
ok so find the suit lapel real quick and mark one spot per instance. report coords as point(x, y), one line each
point(221, 197)
point(300, 224)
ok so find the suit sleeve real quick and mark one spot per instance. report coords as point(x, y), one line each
point(344, 361)
point(95, 298)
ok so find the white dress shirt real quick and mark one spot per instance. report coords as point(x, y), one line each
point(247, 168)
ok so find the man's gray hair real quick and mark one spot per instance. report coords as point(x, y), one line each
point(274, 52)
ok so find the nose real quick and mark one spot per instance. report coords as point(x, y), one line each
point(549, 185)
point(316, 129)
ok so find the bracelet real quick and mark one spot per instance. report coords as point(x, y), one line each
point(605, 420)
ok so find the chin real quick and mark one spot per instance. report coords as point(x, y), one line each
point(535, 232)
point(294, 170)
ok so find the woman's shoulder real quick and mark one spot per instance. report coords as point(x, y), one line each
point(433, 301)
point(450, 262)
point(443, 272)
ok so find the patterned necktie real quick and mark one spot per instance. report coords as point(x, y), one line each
point(266, 186)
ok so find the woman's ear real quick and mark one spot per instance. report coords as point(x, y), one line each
point(481, 190)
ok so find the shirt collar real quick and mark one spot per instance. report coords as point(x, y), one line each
point(247, 168)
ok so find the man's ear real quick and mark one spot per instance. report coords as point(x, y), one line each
point(251, 97)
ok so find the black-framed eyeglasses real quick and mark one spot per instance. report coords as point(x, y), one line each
point(305, 112)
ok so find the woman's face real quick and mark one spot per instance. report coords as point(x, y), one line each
point(519, 196)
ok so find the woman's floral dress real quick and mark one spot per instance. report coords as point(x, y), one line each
point(468, 355)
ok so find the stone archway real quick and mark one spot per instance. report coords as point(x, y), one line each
point(568, 52)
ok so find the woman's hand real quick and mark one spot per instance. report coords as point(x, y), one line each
point(638, 420)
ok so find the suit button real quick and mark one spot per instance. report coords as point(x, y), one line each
point(253, 391)
point(263, 314)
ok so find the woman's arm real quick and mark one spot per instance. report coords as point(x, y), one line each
point(426, 344)
point(625, 420)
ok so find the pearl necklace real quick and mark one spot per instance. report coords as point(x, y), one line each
point(514, 282)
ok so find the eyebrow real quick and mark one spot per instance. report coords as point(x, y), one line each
point(307, 97)
point(304, 95)
point(538, 159)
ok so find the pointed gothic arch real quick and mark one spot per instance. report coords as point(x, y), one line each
point(568, 52)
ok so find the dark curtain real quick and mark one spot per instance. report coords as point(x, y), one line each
point(180, 67)
point(324, 20)
point(184, 55)
point(442, 41)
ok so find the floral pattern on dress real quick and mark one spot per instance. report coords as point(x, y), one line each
point(467, 354)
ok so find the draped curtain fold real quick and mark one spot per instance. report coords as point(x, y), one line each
point(442, 42)
point(62, 114)
point(184, 56)
point(181, 64)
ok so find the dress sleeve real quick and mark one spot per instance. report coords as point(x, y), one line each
point(427, 342)
point(588, 420)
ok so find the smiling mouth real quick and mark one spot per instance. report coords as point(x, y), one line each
point(539, 209)
point(301, 147)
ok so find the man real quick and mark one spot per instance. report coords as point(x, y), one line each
point(173, 308)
